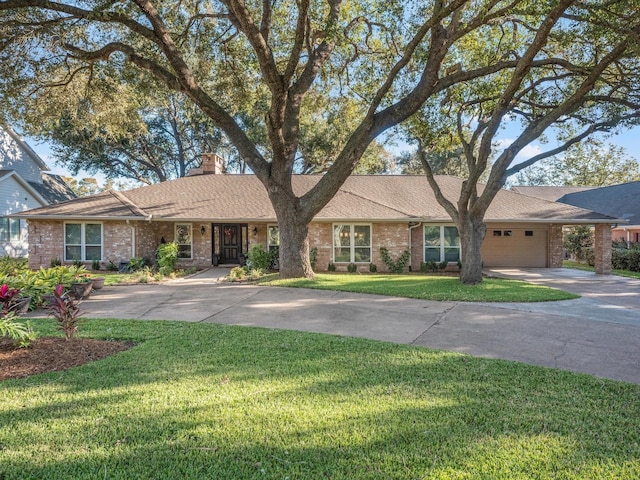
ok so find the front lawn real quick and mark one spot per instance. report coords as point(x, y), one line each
point(203, 401)
point(427, 287)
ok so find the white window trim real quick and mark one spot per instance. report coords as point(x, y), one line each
point(442, 246)
point(10, 231)
point(83, 244)
point(175, 236)
point(352, 246)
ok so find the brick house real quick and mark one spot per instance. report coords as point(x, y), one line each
point(216, 218)
point(618, 201)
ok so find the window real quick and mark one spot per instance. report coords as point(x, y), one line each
point(273, 237)
point(9, 229)
point(441, 243)
point(352, 243)
point(82, 241)
point(184, 240)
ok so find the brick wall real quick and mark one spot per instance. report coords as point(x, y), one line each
point(45, 242)
point(602, 249)
point(556, 251)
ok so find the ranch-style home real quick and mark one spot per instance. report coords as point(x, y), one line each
point(216, 218)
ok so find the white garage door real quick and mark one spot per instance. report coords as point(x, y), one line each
point(515, 247)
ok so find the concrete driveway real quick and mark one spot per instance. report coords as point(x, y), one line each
point(598, 334)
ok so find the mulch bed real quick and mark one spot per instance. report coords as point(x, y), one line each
point(52, 354)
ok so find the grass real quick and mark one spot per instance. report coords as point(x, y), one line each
point(427, 287)
point(190, 402)
point(583, 266)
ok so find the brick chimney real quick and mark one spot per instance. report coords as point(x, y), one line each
point(212, 164)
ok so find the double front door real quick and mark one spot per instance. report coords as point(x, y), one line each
point(229, 242)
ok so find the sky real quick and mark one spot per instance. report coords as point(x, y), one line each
point(629, 140)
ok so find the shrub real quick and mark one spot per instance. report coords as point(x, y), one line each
point(112, 267)
point(373, 268)
point(55, 262)
point(95, 265)
point(331, 267)
point(443, 265)
point(12, 266)
point(398, 265)
point(138, 263)
point(77, 263)
point(21, 334)
point(428, 267)
point(259, 258)
point(352, 268)
point(66, 311)
point(589, 256)
point(237, 273)
point(313, 257)
point(167, 255)
point(625, 259)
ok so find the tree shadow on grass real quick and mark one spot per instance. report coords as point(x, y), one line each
point(211, 401)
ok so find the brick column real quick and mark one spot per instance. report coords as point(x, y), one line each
point(602, 249)
point(555, 246)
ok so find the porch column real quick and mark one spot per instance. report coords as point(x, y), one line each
point(555, 246)
point(602, 248)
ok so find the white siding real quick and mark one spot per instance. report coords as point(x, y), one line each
point(14, 157)
point(15, 198)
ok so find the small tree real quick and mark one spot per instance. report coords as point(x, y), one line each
point(577, 240)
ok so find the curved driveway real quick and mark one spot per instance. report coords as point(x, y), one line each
point(598, 334)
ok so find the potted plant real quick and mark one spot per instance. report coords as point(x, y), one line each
point(12, 302)
point(98, 283)
point(81, 287)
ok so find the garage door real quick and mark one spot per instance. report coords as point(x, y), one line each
point(515, 247)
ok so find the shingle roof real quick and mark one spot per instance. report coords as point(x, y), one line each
point(53, 188)
point(550, 193)
point(620, 201)
point(244, 198)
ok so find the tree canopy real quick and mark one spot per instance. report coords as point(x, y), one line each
point(584, 164)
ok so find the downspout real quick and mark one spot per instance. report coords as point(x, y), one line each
point(411, 227)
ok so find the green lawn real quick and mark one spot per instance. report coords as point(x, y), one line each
point(584, 266)
point(427, 287)
point(202, 401)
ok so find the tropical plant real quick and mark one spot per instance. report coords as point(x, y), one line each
point(66, 310)
point(21, 334)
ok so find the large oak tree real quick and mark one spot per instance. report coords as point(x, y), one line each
point(254, 68)
point(577, 73)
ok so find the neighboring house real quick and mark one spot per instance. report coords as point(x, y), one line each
point(216, 218)
point(24, 184)
point(619, 201)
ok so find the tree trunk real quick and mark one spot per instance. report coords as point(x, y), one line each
point(472, 232)
point(294, 244)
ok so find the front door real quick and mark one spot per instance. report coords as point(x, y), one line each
point(230, 243)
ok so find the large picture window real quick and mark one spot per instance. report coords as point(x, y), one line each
point(9, 229)
point(352, 243)
point(441, 243)
point(82, 241)
point(184, 240)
